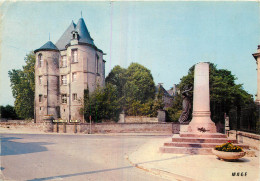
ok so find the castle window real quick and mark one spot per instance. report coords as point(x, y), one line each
point(64, 61)
point(74, 77)
point(63, 98)
point(74, 55)
point(40, 80)
point(74, 97)
point(40, 60)
point(64, 79)
point(40, 98)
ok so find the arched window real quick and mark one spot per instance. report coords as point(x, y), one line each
point(40, 60)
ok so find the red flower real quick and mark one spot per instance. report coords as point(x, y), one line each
point(229, 141)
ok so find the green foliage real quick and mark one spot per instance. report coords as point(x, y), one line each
point(117, 78)
point(228, 147)
point(224, 92)
point(131, 90)
point(102, 104)
point(136, 89)
point(23, 85)
point(139, 84)
point(8, 112)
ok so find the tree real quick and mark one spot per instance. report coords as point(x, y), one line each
point(23, 86)
point(139, 84)
point(135, 88)
point(8, 112)
point(117, 78)
point(102, 104)
point(225, 94)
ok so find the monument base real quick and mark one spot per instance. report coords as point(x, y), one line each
point(197, 144)
point(202, 125)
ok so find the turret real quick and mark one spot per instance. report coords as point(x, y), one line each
point(47, 81)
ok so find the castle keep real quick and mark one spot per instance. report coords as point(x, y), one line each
point(64, 70)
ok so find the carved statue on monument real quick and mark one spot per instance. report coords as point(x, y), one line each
point(186, 106)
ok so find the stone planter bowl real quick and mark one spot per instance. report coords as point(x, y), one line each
point(228, 155)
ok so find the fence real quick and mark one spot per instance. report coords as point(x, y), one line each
point(245, 119)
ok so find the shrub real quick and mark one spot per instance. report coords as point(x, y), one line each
point(228, 147)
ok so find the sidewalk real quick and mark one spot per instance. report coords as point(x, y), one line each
point(192, 167)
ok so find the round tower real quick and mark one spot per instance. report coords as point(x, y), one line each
point(47, 81)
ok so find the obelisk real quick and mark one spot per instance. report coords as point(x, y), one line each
point(201, 121)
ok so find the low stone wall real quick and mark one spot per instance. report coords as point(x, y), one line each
point(253, 140)
point(23, 125)
point(165, 128)
point(140, 119)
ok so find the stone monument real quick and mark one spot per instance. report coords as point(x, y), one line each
point(201, 121)
point(201, 135)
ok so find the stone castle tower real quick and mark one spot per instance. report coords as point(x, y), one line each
point(64, 70)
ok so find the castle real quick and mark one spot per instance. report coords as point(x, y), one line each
point(64, 70)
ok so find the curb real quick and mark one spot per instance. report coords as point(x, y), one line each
point(162, 173)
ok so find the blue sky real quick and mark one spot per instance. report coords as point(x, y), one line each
point(166, 37)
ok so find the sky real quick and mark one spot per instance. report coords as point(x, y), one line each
point(166, 37)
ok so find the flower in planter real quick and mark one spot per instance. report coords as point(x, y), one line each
point(228, 147)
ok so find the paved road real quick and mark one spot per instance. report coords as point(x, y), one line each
point(71, 157)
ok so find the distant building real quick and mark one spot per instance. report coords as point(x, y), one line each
point(166, 97)
point(174, 90)
point(64, 70)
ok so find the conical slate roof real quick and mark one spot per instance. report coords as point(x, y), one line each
point(47, 46)
point(84, 36)
point(66, 37)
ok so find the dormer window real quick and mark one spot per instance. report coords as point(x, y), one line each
point(40, 60)
point(75, 35)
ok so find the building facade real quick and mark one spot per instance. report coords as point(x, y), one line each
point(64, 70)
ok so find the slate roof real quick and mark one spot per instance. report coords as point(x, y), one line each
point(47, 46)
point(84, 36)
point(159, 86)
point(66, 37)
point(81, 28)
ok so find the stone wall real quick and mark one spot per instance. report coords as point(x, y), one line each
point(86, 128)
point(23, 125)
point(253, 140)
point(140, 119)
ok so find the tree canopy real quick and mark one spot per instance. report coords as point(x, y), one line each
point(8, 112)
point(23, 86)
point(131, 90)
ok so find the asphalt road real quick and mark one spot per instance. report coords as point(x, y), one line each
point(71, 157)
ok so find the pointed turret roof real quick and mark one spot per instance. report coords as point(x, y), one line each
point(47, 46)
point(66, 37)
point(84, 36)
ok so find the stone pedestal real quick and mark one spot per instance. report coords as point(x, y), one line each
point(201, 121)
point(48, 125)
point(121, 118)
point(161, 116)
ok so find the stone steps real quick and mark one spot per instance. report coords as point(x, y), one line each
point(202, 140)
point(185, 150)
point(198, 145)
point(204, 135)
